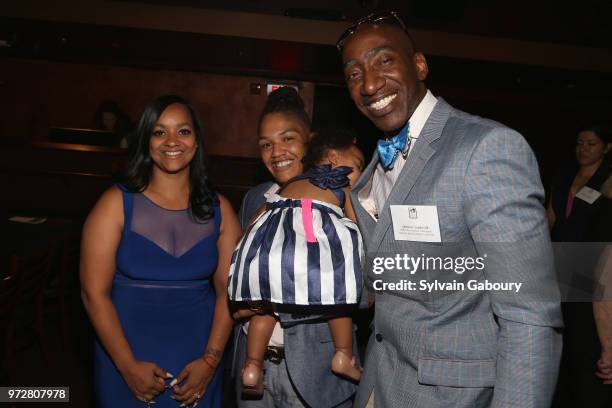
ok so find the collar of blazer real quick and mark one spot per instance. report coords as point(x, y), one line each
point(407, 178)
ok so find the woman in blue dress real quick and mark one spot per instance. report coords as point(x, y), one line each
point(155, 252)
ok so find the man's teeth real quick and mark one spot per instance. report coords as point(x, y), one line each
point(378, 105)
point(172, 154)
point(284, 163)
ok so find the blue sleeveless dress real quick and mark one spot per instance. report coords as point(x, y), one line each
point(164, 295)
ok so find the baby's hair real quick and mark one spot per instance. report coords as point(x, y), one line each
point(329, 138)
point(286, 100)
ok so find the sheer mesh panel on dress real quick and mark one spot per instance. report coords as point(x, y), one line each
point(174, 231)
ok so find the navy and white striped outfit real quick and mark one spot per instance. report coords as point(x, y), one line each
point(300, 251)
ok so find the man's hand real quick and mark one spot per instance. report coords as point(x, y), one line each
point(604, 367)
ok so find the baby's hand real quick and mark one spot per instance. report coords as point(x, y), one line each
point(243, 314)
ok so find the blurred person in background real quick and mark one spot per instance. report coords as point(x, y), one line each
point(580, 211)
point(577, 208)
point(111, 118)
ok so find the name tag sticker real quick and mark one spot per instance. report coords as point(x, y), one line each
point(588, 194)
point(416, 223)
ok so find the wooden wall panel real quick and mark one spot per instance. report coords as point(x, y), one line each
point(63, 179)
point(41, 94)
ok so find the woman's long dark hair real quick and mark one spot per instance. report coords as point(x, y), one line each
point(202, 198)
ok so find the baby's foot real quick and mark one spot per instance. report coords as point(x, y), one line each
point(343, 364)
point(252, 378)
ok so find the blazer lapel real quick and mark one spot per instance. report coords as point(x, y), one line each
point(418, 158)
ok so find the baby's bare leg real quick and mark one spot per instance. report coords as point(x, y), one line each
point(343, 362)
point(342, 332)
point(260, 331)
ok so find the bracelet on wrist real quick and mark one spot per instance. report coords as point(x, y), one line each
point(211, 361)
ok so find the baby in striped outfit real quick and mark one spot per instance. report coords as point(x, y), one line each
point(304, 249)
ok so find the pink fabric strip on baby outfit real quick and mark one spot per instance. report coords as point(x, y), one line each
point(307, 220)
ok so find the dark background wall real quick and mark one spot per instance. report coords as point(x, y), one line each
point(57, 64)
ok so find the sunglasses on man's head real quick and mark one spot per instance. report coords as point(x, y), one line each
point(390, 17)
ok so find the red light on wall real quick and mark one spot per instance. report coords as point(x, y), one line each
point(286, 58)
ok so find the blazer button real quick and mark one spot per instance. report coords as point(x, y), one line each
point(378, 337)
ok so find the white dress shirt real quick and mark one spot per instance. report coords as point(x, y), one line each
point(374, 194)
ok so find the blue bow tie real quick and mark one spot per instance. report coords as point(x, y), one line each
point(388, 150)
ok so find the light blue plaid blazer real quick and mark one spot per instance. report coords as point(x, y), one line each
point(465, 348)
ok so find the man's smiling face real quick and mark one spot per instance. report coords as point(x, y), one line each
point(384, 75)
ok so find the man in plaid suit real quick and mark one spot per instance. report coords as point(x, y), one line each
point(476, 186)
